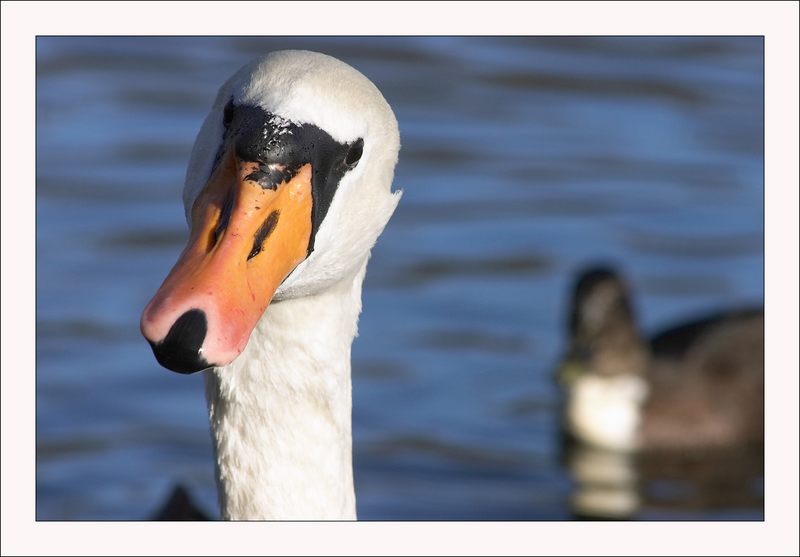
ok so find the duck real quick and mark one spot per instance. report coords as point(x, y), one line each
point(288, 187)
point(697, 385)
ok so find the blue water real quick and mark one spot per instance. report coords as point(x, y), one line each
point(522, 160)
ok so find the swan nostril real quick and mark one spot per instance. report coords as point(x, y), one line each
point(180, 350)
point(263, 233)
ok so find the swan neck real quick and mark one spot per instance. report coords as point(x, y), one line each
point(280, 414)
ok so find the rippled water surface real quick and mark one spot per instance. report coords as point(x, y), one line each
point(522, 159)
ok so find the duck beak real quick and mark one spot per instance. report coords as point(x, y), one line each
point(246, 237)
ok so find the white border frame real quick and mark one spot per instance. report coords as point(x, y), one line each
point(777, 21)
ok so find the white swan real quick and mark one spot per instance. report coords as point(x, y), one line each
point(287, 190)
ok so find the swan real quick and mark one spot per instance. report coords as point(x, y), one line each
point(695, 386)
point(288, 187)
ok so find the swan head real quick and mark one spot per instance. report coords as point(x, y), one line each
point(288, 187)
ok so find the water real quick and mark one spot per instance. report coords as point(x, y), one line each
point(522, 160)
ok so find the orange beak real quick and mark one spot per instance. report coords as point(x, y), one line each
point(245, 240)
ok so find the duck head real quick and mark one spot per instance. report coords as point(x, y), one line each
point(604, 340)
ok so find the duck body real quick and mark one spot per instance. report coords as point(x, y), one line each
point(697, 385)
point(706, 383)
point(287, 190)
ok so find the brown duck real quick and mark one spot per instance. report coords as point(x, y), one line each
point(696, 385)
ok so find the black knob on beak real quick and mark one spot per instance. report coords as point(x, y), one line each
point(180, 349)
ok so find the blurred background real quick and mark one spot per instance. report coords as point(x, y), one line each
point(523, 159)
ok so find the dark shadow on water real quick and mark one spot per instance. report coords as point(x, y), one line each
point(144, 240)
point(692, 246)
point(467, 339)
point(426, 272)
point(614, 88)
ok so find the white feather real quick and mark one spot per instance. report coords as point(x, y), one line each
point(281, 412)
point(605, 411)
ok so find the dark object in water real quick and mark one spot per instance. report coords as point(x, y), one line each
point(180, 506)
point(671, 423)
point(696, 385)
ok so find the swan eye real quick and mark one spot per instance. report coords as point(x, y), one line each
point(354, 154)
point(227, 114)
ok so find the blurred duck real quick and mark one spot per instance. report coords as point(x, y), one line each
point(697, 385)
